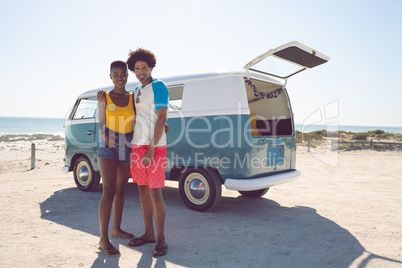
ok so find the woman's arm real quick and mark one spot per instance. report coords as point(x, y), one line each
point(102, 114)
point(102, 119)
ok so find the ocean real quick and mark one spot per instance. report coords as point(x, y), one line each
point(21, 125)
point(54, 126)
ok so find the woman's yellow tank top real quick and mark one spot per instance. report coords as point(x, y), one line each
point(119, 119)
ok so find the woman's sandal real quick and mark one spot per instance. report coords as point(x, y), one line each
point(124, 235)
point(138, 241)
point(160, 251)
point(110, 252)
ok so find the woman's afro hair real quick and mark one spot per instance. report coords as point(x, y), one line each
point(143, 55)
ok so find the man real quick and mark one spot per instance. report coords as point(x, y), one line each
point(149, 147)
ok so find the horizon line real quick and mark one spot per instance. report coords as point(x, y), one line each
point(346, 125)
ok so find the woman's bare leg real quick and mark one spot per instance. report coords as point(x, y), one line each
point(123, 173)
point(108, 168)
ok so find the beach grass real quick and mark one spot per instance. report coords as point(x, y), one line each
point(368, 139)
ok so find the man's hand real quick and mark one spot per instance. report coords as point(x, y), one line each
point(101, 95)
point(160, 126)
point(148, 156)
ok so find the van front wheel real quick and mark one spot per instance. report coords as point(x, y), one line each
point(200, 189)
point(256, 193)
point(85, 177)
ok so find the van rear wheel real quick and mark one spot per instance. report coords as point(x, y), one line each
point(85, 177)
point(200, 189)
point(256, 193)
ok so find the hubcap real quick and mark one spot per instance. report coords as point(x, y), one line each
point(83, 174)
point(196, 188)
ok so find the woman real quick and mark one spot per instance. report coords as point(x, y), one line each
point(116, 114)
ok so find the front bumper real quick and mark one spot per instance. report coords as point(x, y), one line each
point(64, 169)
point(261, 183)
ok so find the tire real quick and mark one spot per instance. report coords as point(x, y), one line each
point(85, 177)
point(256, 193)
point(200, 189)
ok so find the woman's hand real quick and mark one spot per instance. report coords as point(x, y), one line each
point(110, 138)
point(101, 95)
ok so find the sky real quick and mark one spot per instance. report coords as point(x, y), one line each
point(51, 51)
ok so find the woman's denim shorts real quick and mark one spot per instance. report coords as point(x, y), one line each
point(121, 152)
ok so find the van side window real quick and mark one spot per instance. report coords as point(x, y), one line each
point(175, 97)
point(86, 109)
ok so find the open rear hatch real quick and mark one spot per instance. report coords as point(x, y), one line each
point(286, 60)
point(270, 109)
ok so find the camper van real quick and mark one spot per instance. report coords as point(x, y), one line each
point(233, 129)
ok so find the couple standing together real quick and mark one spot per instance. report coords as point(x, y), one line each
point(133, 122)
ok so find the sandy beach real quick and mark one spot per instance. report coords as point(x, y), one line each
point(344, 211)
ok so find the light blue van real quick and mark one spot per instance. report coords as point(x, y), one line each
point(225, 128)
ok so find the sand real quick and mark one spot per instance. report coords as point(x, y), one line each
point(344, 211)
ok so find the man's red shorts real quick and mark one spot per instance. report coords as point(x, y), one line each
point(153, 175)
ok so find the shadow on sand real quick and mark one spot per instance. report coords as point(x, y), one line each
point(240, 232)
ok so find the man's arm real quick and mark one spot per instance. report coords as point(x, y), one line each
point(159, 129)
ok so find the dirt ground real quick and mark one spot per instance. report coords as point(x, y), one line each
point(345, 210)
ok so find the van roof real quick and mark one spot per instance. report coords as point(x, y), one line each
point(181, 79)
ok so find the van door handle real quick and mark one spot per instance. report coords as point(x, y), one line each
point(90, 132)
